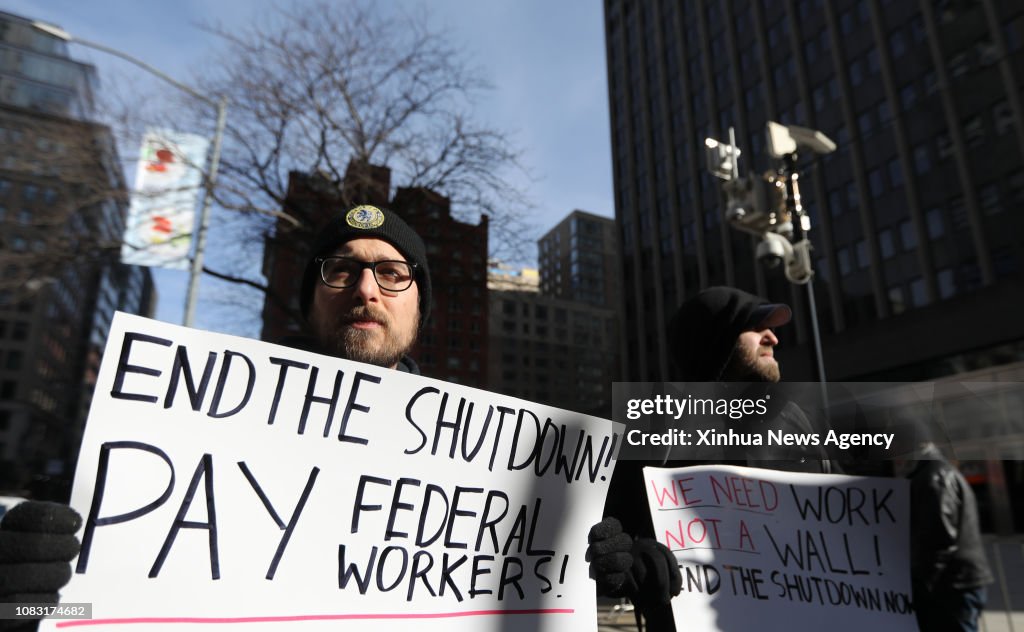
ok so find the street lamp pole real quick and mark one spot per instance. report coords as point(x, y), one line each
point(196, 269)
point(192, 295)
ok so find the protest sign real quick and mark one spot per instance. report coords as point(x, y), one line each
point(225, 480)
point(760, 549)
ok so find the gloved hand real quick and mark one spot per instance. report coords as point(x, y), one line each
point(37, 542)
point(642, 569)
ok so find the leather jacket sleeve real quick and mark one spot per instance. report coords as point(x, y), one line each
point(947, 550)
point(936, 504)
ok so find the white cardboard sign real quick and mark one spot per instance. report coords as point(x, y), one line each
point(768, 550)
point(229, 481)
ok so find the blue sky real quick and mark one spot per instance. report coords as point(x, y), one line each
point(545, 59)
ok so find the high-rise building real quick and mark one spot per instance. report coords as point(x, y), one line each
point(62, 212)
point(557, 341)
point(915, 217)
point(37, 73)
point(579, 260)
point(914, 223)
point(551, 350)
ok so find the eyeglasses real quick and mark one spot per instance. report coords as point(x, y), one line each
point(343, 272)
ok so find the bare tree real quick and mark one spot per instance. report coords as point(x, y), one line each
point(314, 88)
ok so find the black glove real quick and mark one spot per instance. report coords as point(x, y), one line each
point(643, 569)
point(610, 559)
point(655, 572)
point(37, 542)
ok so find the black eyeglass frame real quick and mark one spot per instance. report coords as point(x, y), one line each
point(363, 265)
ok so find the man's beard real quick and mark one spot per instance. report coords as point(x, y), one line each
point(747, 366)
point(342, 340)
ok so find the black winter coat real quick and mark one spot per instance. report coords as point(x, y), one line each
point(946, 551)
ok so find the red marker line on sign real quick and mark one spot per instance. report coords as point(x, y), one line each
point(310, 617)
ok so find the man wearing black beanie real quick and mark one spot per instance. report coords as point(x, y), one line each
point(722, 334)
point(365, 294)
point(366, 289)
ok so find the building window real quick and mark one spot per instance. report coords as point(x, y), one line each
point(843, 258)
point(819, 98)
point(944, 145)
point(885, 243)
point(974, 131)
point(908, 96)
point(876, 183)
point(936, 227)
point(922, 159)
point(863, 260)
point(846, 23)
point(988, 196)
point(895, 173)
point(1014, 186)
point(959, 65)
point(19, 331)
point(897, 44)
point(835, 205)
point(945, 281)
point(872, 62)
point(884, 113)
point(865, 123)
point(917, 30)
point(852, 199)
point(897, 303)
point(918, 296)
point(856, 72)
point(907, 235)
point(1003, 117)
point(958, 213)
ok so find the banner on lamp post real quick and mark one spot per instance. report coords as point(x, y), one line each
point(161, 217)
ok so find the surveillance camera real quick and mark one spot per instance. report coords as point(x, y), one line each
point(798, 265)
point(735, 212)
point(773, 250)
point(786, 139)
point(722, 160)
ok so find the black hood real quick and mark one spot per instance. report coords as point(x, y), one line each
point(703, 331)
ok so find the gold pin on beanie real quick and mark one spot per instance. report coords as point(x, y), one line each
point(366, 221)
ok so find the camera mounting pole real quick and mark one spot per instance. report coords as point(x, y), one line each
point(802, 249)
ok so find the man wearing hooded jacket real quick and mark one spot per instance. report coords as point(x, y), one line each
point(720, 335)
point(948, 568)
point(365, 294)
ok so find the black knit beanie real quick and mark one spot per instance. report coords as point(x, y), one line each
point(368, 222)
point(704, 329)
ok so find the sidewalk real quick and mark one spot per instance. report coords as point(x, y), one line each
point(609, 620)
point(999, 621)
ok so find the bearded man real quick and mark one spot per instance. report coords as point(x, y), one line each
point(365, 294)
point(722, 335)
